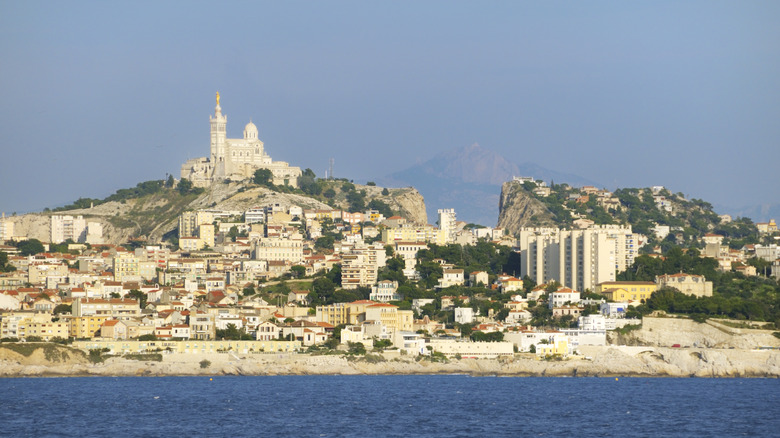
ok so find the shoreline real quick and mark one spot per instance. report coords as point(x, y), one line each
point(601, 362)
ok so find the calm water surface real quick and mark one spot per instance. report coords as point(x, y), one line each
point(359, 406)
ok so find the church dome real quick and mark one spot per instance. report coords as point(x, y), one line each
point(250, 131)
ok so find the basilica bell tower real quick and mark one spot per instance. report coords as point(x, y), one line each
point(218, 143)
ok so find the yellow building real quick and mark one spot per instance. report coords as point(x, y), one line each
point(126, 267)
point(81, 327)
point(407, 232)
point(390, 316)
point(17, 324)
point(47, 330)
point(558, 345)
point(343, 313)
point(689, 284)
point(626, 290)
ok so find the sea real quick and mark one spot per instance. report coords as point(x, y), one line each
point(379, 406)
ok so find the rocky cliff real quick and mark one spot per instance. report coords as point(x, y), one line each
point(666, 332)
point(595, 361)
point(517, 209)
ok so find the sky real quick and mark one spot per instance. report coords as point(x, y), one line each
point(98, 96)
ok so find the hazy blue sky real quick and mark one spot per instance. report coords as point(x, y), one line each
point(98, 96)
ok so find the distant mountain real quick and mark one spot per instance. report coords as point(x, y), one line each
point(469, 180)
point(758, 213)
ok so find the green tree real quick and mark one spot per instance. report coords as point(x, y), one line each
point(62, 308)
point(334, 275)
point(381, 207)
point(479, 336)
point(263, 177)
point(385, 192)
point(381, 344)
point(298, 271)
point(356, 200)
point(332, 343)
point(138, 295)
point(30, 247)
point(323, 288)
point(356, 348)
point(233, 233)
point(325, 242)
point(184, 187)
point(230, 333)
point(4, 265)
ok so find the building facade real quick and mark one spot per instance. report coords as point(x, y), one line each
point(236, 159)
point(579, 259)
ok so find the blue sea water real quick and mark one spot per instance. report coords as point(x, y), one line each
point(360, 406)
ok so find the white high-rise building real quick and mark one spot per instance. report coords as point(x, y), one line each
point(6, 229)
point(578, 259)
point(68, 227)
point(447, 224)
point(236, 158)
point(360, 265)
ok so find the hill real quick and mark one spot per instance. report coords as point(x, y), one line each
point(648, 210)
point(149, 212)
point(469, 180)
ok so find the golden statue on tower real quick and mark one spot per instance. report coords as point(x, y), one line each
point(217, 98)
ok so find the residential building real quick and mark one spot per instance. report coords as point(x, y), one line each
point(626, 290)
point(408, 252)
point(202, 326)
point(68, 227)
point(448, 224)
point(408, 232)
point(767, 227)
point(342, 313)
point(113, 329)
point(562, 296)
point(285, 249)
point(360, 265)
point(451, 277)
point(117, 308)
point(579, 259)
point(267, 331)
point(385, 291)
point(126, 267)
point(477, 278)
point(689, 284)
point(464, 315)
point(82, 327)
point(468, 349)
point(6, 229)
point(390, 316)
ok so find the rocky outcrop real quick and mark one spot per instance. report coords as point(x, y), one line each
point(34, 226)
point(517, 208)
point(594, 361)
point(666, 332)
point(408, 202)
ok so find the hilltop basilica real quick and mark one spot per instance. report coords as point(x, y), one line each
point(235, 158)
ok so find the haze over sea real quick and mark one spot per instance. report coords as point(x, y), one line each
point(335, 406)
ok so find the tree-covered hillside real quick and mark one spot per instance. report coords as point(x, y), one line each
point(648, 211)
